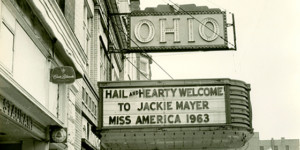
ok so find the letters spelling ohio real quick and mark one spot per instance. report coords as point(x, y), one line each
point(158, 106)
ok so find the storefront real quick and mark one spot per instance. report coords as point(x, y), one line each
point(23, 124)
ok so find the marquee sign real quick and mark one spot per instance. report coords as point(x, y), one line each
point(175, 114)
point(164, 106)
point(178, 31)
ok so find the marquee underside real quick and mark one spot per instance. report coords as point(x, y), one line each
point(174, 138)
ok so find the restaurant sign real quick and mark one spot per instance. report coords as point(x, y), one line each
point(163, 106)
point(15, 113)
point(65, 74)
point(178, 31)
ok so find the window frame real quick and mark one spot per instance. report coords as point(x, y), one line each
point(10, 29)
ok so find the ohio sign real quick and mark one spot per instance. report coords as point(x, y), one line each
point(178, 31)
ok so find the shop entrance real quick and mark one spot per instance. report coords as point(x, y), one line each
point(12, 134)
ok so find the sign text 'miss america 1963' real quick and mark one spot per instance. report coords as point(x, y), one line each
point(163, 106)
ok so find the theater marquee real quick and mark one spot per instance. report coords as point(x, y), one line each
point(175, 114)
point(164, 106)
point(180, 31)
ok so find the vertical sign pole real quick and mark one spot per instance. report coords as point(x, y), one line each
point(234, 34)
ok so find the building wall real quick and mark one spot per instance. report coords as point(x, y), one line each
point(37, 36)
point(27, 62)
point(283, 144)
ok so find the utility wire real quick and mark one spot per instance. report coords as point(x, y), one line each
point(206, 26)
point(143, 51)
point(199, 22)
point(125, 57)
point(137, 68)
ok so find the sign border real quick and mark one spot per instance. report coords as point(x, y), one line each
point(178, 48)
point(227, 107)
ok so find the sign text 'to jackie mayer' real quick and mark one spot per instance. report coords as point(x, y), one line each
point(164, 106)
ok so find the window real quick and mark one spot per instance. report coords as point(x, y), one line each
point(92, 107)
point(86, 98)
point(144, 70)
point(143, 67)
point(275, 147)
point(87, 25)
point(90, 103)
point(88, 131)
point(261, 148)
point(7, 46)
point(287, 147)
point(95, 110)
point(83, 94)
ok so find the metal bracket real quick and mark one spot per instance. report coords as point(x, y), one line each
point(118, 14)
point(234, 34)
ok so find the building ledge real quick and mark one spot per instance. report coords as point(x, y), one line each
point(25, 101)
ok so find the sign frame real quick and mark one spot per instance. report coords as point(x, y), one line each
point(159, 48)
point(62, 75)
point(54, 130)
point(166, 83)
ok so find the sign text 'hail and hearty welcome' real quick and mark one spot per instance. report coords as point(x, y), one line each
point(163, 106)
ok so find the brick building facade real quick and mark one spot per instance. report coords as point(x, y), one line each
point(37, 36)
point(281, 144)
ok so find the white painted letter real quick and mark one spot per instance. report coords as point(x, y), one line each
point(138, 28)
point(202, 27)
point(163, 30)
point(191, 29)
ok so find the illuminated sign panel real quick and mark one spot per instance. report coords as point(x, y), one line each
point(163, 106)
point(179, 32)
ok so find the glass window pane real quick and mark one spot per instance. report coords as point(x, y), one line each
point(6, 47)
point(86, 98)
point(261, 148)
point(83, 94)
point(143, 66)
point(90, 102)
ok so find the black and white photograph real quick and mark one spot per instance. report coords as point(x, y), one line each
point(149, 75)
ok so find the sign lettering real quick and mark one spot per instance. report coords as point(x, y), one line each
point(64, 74)
point(13, 112)
point(133, 107)
point(203, 31)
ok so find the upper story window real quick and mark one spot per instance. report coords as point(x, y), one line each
point(287, 147)
point(88, 101)
point(144, 66)
point(6, 50)
point(261, 148)
point(87, 29)
point(144, 70)
point(87, 26)
point(7, 39)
